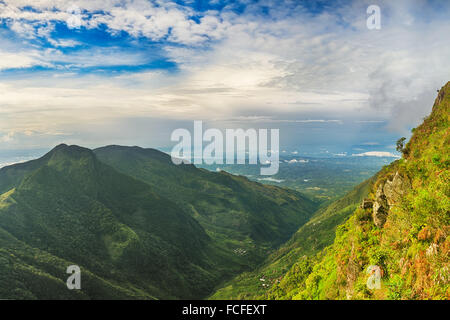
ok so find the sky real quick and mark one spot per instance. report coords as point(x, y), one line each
point(93, 72)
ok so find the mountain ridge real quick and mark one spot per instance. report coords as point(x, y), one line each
point(80, 209)
point(131, 241)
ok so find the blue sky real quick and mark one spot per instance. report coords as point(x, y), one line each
point(93, 72)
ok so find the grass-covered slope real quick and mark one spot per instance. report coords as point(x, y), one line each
point(312, 237)
point(143, 229)
point(32, 273)
point(404, 229)
point(74, 208)
point(11, 176)
point(243, 217)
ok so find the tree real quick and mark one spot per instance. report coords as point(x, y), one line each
point(401, 145)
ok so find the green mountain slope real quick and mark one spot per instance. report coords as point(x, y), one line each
point(312, 237)
point(170, 232)
point(402, 229)
point(11, 176)
point(32, 273)
point(243, 217)
point(78, 209)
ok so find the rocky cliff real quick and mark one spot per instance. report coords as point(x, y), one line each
point(388, 194)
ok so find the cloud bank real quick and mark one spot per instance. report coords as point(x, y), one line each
point(68, 65)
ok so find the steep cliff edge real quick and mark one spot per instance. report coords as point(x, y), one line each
point(396, 244)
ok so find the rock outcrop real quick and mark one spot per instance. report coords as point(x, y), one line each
point(387, 195)
point(380, 207)
point(396, 188)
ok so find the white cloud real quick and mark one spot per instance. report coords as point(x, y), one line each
point(64, 43)
point(10, 60)
point(7, 137)
point(139, 18)
point(375, 154)
point(298, 161)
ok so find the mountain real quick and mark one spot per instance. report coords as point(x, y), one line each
point(400, 231)
point(133, 237)
point(76, 208)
